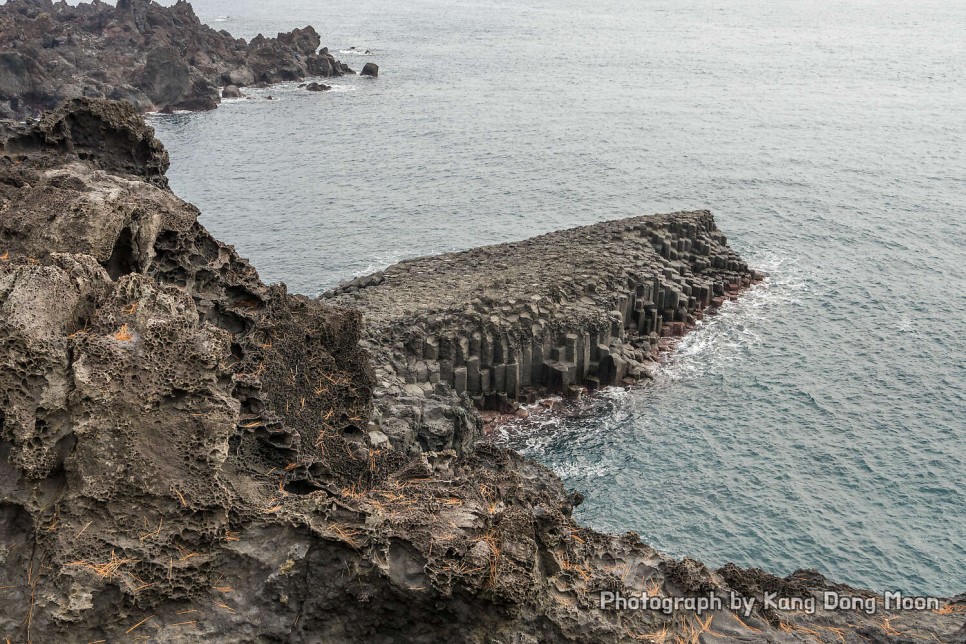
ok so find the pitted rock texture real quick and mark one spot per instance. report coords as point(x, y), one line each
point(157, 58)
point(184, 455)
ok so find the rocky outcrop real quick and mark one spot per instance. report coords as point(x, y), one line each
point(587, 307)
point(105, 135)
point(157, 58)
point(370, 69)
point(184, 453)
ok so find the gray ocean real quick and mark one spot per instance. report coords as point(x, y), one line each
point(818, 422)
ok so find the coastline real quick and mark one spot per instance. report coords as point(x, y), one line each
point(193, 441)
point(523, 417)
point(160, 59)
point(180, 415)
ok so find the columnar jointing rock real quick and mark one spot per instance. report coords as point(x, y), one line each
point(587, 306)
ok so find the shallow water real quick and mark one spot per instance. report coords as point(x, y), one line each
point(817, 422)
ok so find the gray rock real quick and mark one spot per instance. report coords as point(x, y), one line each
point(377, 438)
point(18, 74)
point(166, 78)
point(50, 53)
point(459, 310)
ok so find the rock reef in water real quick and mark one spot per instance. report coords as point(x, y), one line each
point(586, 306)
point(158, 58)
point(185, 452)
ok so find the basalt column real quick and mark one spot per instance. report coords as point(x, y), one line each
point(586, 306)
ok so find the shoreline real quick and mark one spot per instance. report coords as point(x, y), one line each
point(520, 416)
point(161, 59)
point(590, 305)
point(179, 438)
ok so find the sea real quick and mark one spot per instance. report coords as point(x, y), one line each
point(820, 421)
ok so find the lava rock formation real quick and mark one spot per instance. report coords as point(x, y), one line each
point(186, 454)
point(157, 58)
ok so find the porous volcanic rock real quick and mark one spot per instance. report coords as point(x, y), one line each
point(157, 58)
point(184, 453)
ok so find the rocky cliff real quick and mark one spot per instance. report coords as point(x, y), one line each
point(158, 58)
point(186, 454)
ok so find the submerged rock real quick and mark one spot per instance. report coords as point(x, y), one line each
point(189, 454)
point(317, 87)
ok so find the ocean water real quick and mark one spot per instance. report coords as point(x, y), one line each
point(818, 422)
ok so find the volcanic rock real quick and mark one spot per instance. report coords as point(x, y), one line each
point(158, 58)
point(188, 454)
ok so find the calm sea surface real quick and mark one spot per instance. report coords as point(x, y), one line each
point(820, 421)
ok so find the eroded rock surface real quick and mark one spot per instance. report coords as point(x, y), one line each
point(184, 453)
point(157, 58)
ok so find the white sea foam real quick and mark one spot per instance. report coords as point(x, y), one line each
point(733, 331)
point(378, 263)
point(574, 470)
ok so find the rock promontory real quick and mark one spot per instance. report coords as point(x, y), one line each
point(188, 454)
point(588, 307)
point(158, 58)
